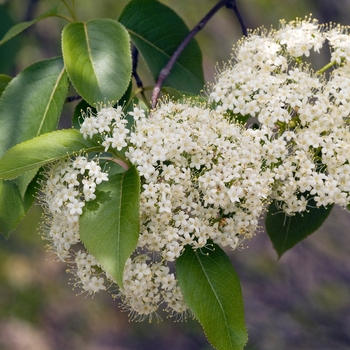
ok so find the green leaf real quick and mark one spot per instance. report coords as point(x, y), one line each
point(18, 28)
point(212, 290)
point(31, 105)
point(32, 101)
point(286, 231)
point(12, 206)
point(110, 225)
point(157, 31)
point(42, 150)
point(98, 59)
point(23, 180)
point(4, 80)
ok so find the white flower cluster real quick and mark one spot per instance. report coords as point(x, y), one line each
point(111, 123)
point(69, 184)
point(87, 271)
point(148, 284)
point(300, 37)
point(339, 41)
point(309, 114)
point(204, 176)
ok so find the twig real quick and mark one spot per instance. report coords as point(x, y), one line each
point(233, 5)
point(71, 10)
point(166, 70)
point(135, 60)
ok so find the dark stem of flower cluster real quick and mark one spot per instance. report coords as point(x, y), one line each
point(135, 60)
point(233, 5)
point(166, 70)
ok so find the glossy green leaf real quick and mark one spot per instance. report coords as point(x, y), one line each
point(31, 105)
point(18, 28)
point(32, 102)
point(157, 31)
point(286, 231)
point(110, 225)
point(42, 150)
point(98, 59)
point(12, 206)
point(4, 80)
point(212, 290)
point(23, 180)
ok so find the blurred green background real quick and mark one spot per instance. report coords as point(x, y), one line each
point(301, 301)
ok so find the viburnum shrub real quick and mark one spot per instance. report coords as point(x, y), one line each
point(139, 200)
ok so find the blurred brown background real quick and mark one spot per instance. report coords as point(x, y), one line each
point(300, 302)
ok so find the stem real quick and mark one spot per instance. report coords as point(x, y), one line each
point(135, 60)
point(327, 66)
point(233, 5)
point(65, 17)
point(73, 7)
point(166, 70)
point(71, 11)
point(117, 161)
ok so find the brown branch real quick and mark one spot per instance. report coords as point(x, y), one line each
point(169, 66)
